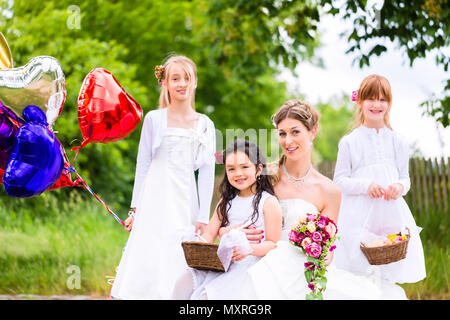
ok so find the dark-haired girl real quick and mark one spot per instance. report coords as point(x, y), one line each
point(247, 196)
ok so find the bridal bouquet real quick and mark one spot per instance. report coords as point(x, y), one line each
point(315, 234)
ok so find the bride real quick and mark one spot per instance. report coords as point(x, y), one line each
point(301, 189)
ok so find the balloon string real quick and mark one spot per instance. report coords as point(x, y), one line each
point(76, 154)
point(16, 121)
point(72, 169)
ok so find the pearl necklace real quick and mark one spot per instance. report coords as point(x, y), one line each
point(296, 181)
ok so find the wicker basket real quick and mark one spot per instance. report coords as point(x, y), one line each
point(201, 255)
point(388, 253)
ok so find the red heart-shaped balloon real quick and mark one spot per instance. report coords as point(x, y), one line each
point(106, 112)
point(65, 180)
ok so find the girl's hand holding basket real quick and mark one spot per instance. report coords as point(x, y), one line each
point(393, 192)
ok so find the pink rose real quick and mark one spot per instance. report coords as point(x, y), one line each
point(310, 217)
point(316, 237)
point(293, 236)
point(321, 224)
point(331, 229)
point(314, 250)
point(306, 242)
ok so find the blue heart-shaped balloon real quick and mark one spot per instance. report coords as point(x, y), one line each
point(8, 130)
point(36, 161)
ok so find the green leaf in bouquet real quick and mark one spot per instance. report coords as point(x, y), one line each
point(313, 260)
point(323, 283)
point(308, 276)
point(321, 271)
point(310, 296)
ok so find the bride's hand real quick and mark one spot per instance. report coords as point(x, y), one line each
point(329, 258)
point(253, 235)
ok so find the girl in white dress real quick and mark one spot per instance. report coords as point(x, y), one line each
point(175, 141)
point(372, 171)
point(246, 195)
point(301, 190)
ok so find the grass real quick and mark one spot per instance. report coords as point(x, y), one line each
point(435, 241)
point(37, 250)
point(37, 253)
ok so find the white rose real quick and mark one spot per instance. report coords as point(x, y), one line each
point(331, 229)
point(311, 226)
point(306, 242)
point(302, 219)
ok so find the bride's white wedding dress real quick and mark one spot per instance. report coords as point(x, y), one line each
point(280, 274)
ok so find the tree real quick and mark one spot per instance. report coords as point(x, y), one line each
point(237, 45)
point(336, 119)
point(419, 27)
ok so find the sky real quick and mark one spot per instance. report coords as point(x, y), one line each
point(410, 85)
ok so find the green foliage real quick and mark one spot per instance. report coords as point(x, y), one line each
point(237, 46)
point(419, 27)
point(335, 121)
point(37, 251)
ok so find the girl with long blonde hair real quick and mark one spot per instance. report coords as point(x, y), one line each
point(175, 142)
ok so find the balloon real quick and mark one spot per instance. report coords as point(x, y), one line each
point(40, 82)
point(36, 161)
point(8, 130)
point(65, 180)
point(6, 60)
point(105, 111)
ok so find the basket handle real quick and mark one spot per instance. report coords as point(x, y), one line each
point(200, 237)
point(409, 232)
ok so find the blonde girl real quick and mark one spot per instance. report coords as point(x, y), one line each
point(175, 142)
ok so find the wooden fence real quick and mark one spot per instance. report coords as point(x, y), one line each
point(430, 182)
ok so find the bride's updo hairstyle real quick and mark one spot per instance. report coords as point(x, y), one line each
point(298, 110)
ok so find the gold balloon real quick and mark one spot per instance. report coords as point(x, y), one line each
point(6, 60)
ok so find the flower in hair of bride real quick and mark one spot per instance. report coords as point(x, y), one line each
point(354, 95)
point(159, 73)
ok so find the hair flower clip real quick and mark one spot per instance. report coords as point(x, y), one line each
point(354, 95)
point(219, 157)
point(159, 73)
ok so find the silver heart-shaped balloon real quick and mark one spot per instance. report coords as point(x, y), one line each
point(40, 82)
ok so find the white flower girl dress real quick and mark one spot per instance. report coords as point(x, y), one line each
point(280, 274)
